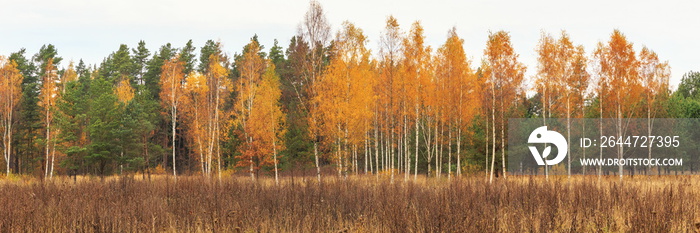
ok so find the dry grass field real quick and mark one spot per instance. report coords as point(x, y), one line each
point(355, 204)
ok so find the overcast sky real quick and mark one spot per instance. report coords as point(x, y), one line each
point(92, 29)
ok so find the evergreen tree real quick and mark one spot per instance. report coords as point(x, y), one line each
point(187, 56)
point(144, 112)
point(277, 54)
point(140, 60)
point(45, 53)
point(104, 126)
point(209, 48)
point(28, 121)
point(122, 64)
point(71, 120)
point(154, 69)
point(82, 70)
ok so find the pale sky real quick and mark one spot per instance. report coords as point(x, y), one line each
point(92, 29)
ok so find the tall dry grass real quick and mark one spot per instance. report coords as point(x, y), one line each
point(356, 204)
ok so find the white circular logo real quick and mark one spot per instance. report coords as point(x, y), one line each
point(542, 135)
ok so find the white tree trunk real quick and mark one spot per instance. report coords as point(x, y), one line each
point(217, 138)
point(407, 165)
point(274, 154)
point(650, 123)
point(600, 103)
point(544, 122)
point(7, 137)
point(415, 176)
point(318, 169)
point(48, 139)
point(53, 158)
point(493, 130)
point(376, 147)
point(174, 121)
point(503, 139)
point(366, 155)
point(459, 151)
point(486, 149)
point(449, 153)
point(568, 134)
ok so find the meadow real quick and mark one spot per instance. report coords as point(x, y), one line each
point(353, 204)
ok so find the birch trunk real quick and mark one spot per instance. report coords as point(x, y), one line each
point(48, 144)
point(53, 158)
point(376, 147)
point(600, 167)
point(274, 157)
point(459, 151)
point(486, 149)
point(493, 130)
point(366, 155)
point(7, 139)
point(568, 134)
point(173, 113)
point(449, 153)
point(415, 176)
point(407, 156)
point(318, 169)
point(503, 138)
point(544, 122)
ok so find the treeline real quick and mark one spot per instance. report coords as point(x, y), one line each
point(323, 101)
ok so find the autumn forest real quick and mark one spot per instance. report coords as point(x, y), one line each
point(325, 104)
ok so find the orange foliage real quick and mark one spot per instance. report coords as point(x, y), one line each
point(49, 90)
point(171, 81)
point(458, 83)
point(171, 94)
point(266, 124)
point(619, 85)
point(344, 96)
point(69, 75)
point(505, 77)
point(392, 84)
point(258, 111)
point(10, 94)
point(196, 112)
point(124, 91)
point(455, 74)
point(562, 78)
point(654, 76)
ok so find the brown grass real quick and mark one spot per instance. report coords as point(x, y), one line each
point(356, 204)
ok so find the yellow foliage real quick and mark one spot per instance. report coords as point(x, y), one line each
point(124, 91)
point(258, 110)
point(158, 170)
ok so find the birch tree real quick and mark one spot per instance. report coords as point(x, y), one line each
point(506, 78)
point(251, 67)
point(314, 32)
point(47, 100)
point(10, 94)
point(454, 70)
point(417, 70)
point(197, 114)
point(562, 80)
point(268, 120)
point(390, 90)
point(206, 91)
point(654, 80)
point(219, 88)
point(619, 78)
point(171, 95)
point(344, 96)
